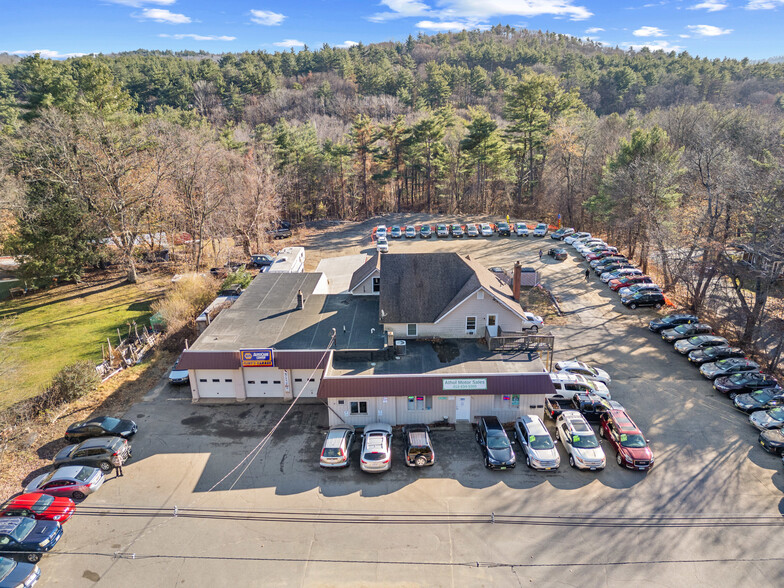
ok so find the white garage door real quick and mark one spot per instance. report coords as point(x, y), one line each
point(263, 382)
point(301, 380)
point(216, 383)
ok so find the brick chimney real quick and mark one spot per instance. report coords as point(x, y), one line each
point(517, 280)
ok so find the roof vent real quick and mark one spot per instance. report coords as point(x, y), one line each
point(300, 300)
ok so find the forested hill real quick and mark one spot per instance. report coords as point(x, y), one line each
point(464, 69)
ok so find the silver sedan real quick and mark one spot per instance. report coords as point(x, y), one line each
point(73, 481)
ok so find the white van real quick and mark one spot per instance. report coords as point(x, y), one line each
point(570, 384)
point(290, 260)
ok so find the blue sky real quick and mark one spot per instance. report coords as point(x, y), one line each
point(57, 28)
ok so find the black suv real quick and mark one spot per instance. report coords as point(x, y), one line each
point(96, 452)
point(655, 299)
point(419, 448)
point(504, 230)
point(672, 321)
point(591, 406)
point(496, 448)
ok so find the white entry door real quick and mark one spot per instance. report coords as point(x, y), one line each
point(463, 408)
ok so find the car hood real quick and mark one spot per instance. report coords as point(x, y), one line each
point(641, 453)
point(724, 382)
point(591, 454)
point(64, 453)
point(177, 374)
point(772, 435)
point(19, 574)
point(747, 402)
point(504, 455)
point(672, 333)
point(763, 418)
point(683, 345)
point(544, 454)
point(43, 530)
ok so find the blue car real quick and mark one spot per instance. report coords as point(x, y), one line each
point(28, 537)
point(15, 574)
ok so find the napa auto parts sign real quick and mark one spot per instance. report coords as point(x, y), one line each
point(257, 358)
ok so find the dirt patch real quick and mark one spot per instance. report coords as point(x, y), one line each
point(537, 301)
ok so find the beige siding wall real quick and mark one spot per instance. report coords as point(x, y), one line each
point(310, 388)
point(395, 410)
point(365, 287)
point(452, 326)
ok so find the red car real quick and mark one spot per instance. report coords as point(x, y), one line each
point(601, 254)
point(631, 447)
point(619, 283)
point(42, 507)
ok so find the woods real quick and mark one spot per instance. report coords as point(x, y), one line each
point(678, 159)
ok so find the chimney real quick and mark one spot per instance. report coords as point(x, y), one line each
point(516, 280)
point(300, 300)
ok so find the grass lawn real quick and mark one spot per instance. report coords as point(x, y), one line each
point(69, 323)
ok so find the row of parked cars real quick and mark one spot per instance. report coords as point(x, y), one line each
point(31, 523)
point(634, 287)
point(382, 234)
point(752, 391)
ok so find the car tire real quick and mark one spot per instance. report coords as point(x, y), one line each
point(528, 461)
point(571, 461)
point(105, 466)
point(534, 329)
point(33, 557)
point(633, 306)
point(487, 463)
point(657, 306)
point(619, 459)
point(476, 436)
point(420, 461)
point(78, 495)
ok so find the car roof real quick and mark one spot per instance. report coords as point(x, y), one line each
point(99, 442)
point(67, 472)
point(576, 421)
point(624, 421)
point(533, 424)
point(9, 524)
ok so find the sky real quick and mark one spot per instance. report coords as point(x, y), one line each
point(63, 28)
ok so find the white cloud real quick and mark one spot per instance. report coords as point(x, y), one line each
point(649, 32)
point(289, 43)
point(267, 17)
point(708, 30)
point(45, 53)
point(685, 36)
point(198, 37)
point(480, 11)
point(593, 30)
point(140, 3)
point(653, 46)
point(347, 44)
point(453, 25)
point(710, 6)
point(764, 4)
point(162, 15)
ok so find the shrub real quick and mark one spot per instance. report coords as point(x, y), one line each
point(72, 382)
point(242, 277)
point(185, 301)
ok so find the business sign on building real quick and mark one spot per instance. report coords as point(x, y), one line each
point(257, 358)
point(464, 384)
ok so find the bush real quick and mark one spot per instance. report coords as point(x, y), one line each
point(242, 277)
point(189, 297)
point(72, 382)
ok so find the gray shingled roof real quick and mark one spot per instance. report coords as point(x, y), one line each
point(422, 287)
point(364, 271)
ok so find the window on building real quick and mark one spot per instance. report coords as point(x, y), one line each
point(276, 381)
point(216, 379)
point(470, 323)
point(227, 380)
point(491, 320)
point(420, 402)
point(359, 408)
point(251, 381)
point(412, 330)
point(376, 284)
point(341, 402)
point(263, 381)
point(480, 295)
point(297, 379)
point(312, 380)
point(202, 379)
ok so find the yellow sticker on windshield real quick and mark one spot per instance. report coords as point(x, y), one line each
point(533, 438)
point(576, 438)
point(623, 437)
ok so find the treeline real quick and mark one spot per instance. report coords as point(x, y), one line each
point(678, 158)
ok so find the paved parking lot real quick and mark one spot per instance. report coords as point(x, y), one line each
point(306, 526)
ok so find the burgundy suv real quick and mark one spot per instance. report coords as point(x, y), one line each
point(631, 447)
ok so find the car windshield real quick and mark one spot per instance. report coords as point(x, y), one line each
point(777, 413)
point(42, 503)
point(83, 474)
point(729, 362)
point(497, 442)
point(455, 227)
point(540, 442)
point(586, 441)
point(762, 396)
point(683, 329)
point(23, 529)
point(633, 441)
point(737, 378)
point(109, 423)
point(6, 566)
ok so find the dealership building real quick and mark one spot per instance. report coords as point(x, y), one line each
point(403, 341)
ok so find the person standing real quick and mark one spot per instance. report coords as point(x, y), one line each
point(540, 254)
point(117, 462)
point(587, 275)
